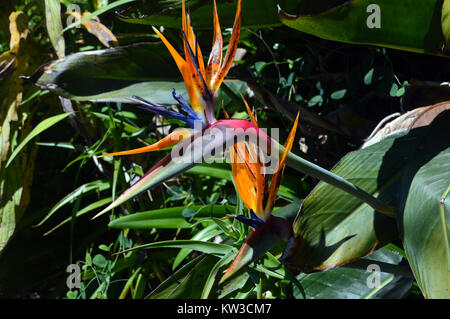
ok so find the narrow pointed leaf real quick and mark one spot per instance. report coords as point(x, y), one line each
point(202, 246)
point(45, 124)
point(54, 26)
point(169, 217)
point(187, 282)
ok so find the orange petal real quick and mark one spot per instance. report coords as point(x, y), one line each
point(173, 138)
point(254, 121)
point(243, 179)
point(181, 63)
point(276, 178)
point(215, 57)
point(191, 39)
point(186, 74)
point(231, 51)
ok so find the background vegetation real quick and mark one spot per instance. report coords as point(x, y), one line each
point(52, 185)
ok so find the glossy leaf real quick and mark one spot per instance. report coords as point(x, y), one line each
point(349, 283)
point(425, 222)
point(166, 13)
point(332, 227)
point(114, 75)
point(376, 23)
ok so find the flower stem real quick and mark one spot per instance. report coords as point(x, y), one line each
point(308, 168)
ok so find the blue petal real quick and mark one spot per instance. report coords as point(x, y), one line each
point(254, 221)
point(184, 105)
point(161, 110)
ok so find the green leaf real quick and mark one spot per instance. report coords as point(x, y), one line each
point(213, 274)
point(317, 99)
point(202, 246)
point(83, 189)
point(54, 26)
point(188, 281)
point(82, 211)
point(349, 283)
point(167, 13)
point(169, 217)
point(204, 235)
point(116, 74)
point(44, 125)
point(445, 20)
point(337, 95)
point(333, 227)
point(99, 260)
point(375, 23)
point(425, 221)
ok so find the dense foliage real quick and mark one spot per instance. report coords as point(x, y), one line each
point(374, 113)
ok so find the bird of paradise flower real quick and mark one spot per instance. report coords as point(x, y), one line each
point(202, 84)
point(258, 192)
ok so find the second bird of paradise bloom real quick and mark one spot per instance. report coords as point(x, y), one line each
point(258, 191)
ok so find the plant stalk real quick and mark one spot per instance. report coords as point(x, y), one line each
point(308, 168)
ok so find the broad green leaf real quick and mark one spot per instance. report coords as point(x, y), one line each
point(146, 70)
point(445, 20)
point(350, 283)
point(169, 217)
point(54, 26)
point(425, 221)
point(333, 227)
point(45, 124)
point(167, 13)
point(288, 212)
point(376, 23)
